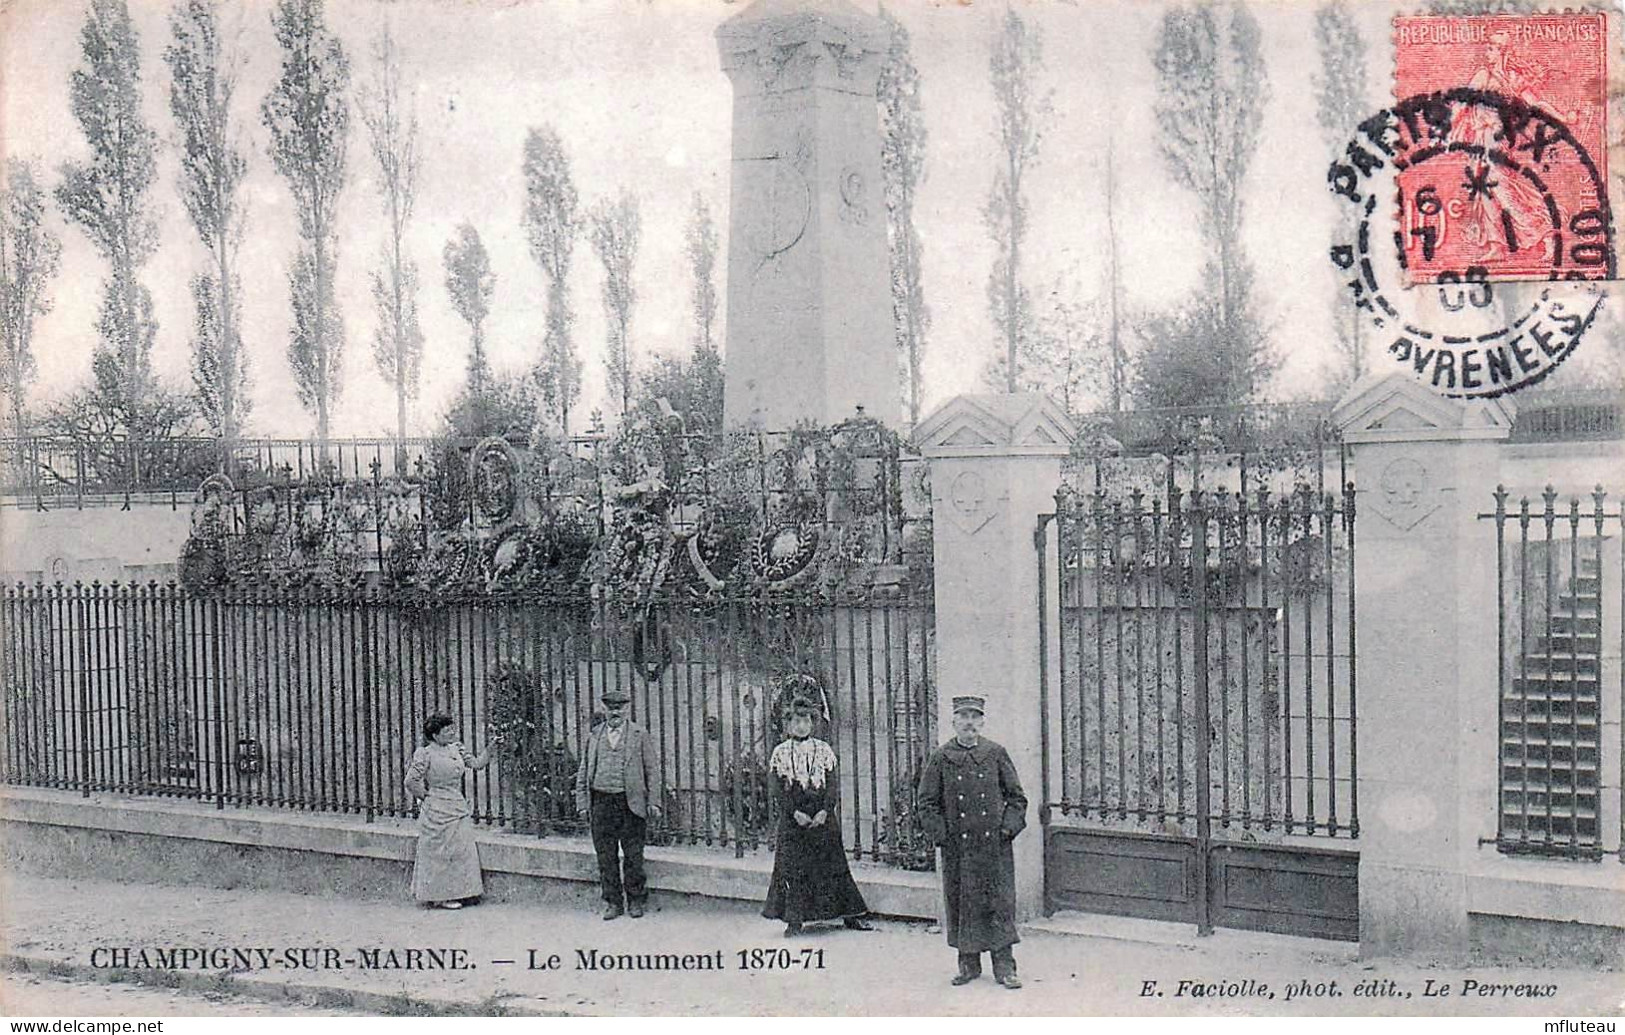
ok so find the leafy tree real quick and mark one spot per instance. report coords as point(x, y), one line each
point(1183, 362)
point(701, 246)
point(308, 116)
point(30, 255)
point(106, 195)
point(1340, 104)
point(203, 80)
point(471, 283)
point(1014, 65)
point(120, 438)
point(506, 408)
point(615, 229)
point(392, 132)
point(552, 221)
point(902, 161)
point(692, 388)
point(1063, 357)
point(1211, 91)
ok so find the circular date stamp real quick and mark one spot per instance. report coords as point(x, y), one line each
point(1469, 149)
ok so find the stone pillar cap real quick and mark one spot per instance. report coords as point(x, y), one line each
point(1397, 408)
point(1026, 423)
point(788, 22)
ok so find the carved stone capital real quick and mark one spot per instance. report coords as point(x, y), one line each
point(778, 45)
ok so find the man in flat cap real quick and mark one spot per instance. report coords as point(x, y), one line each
point(616, 786)
point(972, 805)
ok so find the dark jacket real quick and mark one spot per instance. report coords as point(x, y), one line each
point(971, 803)
point(642, 768)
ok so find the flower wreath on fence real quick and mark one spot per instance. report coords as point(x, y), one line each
point(648, 511)
point(534, 753)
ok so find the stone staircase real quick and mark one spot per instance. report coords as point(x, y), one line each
point(1550, 726)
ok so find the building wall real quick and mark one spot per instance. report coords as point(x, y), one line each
point(105, 543)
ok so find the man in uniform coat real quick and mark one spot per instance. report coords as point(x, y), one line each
point(616, 787)
point(972, 805)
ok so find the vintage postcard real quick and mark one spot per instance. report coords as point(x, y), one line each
point(716, 508)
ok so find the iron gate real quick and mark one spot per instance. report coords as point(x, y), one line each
point(1182, 612)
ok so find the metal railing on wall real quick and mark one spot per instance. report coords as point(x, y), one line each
point(1274, 446)
point(1570, 415)
point(52, 471)
point(1560, 759)
point(311, 699)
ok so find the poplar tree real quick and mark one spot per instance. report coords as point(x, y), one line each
point(692, 385)
point(308, 116)
point(106, 196)
point(470, 283)
point(552, 221)
point(1211, 90)
point(30, 256)
point(902, 161)
point(1014, 66)
point(392, 132)
point(616, 227)
point(203, 80)
point(1340, 103)
point(700, 245)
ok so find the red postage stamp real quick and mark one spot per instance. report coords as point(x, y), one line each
point(1514, 184)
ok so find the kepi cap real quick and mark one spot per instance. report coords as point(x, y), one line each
point(975, 704)
point(616, 696)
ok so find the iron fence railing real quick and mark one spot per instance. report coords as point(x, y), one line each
point(1559, 575)
point(1570, 415)
point(1274, 446)
point(312, 698)
point(1206, 664)
point(54, 471)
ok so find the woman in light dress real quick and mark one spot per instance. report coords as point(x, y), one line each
point(446, 872)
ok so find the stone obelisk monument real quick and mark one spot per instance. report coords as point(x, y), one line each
point(809, 300)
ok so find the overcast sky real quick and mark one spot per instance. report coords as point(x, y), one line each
point(635, 89)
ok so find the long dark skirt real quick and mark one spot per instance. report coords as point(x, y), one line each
point(811, 879)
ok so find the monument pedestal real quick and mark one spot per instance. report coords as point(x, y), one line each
point(810, 332)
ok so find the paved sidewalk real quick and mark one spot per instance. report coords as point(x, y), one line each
point(34, 995)
point(72, 926)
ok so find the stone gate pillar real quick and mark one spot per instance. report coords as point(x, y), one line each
point(1426, 665)
point(995, 466)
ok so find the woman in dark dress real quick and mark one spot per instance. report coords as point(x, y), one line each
point(811, 880)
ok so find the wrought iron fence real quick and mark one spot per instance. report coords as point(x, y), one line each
point(1206, 663)
point(311, 699)
point(1569, 415)
point(1556, 642)
point(636, 510)
point(52, 471)
point(1274, 446)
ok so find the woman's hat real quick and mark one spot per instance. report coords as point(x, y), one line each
point(804, 706)
point(616, 696)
